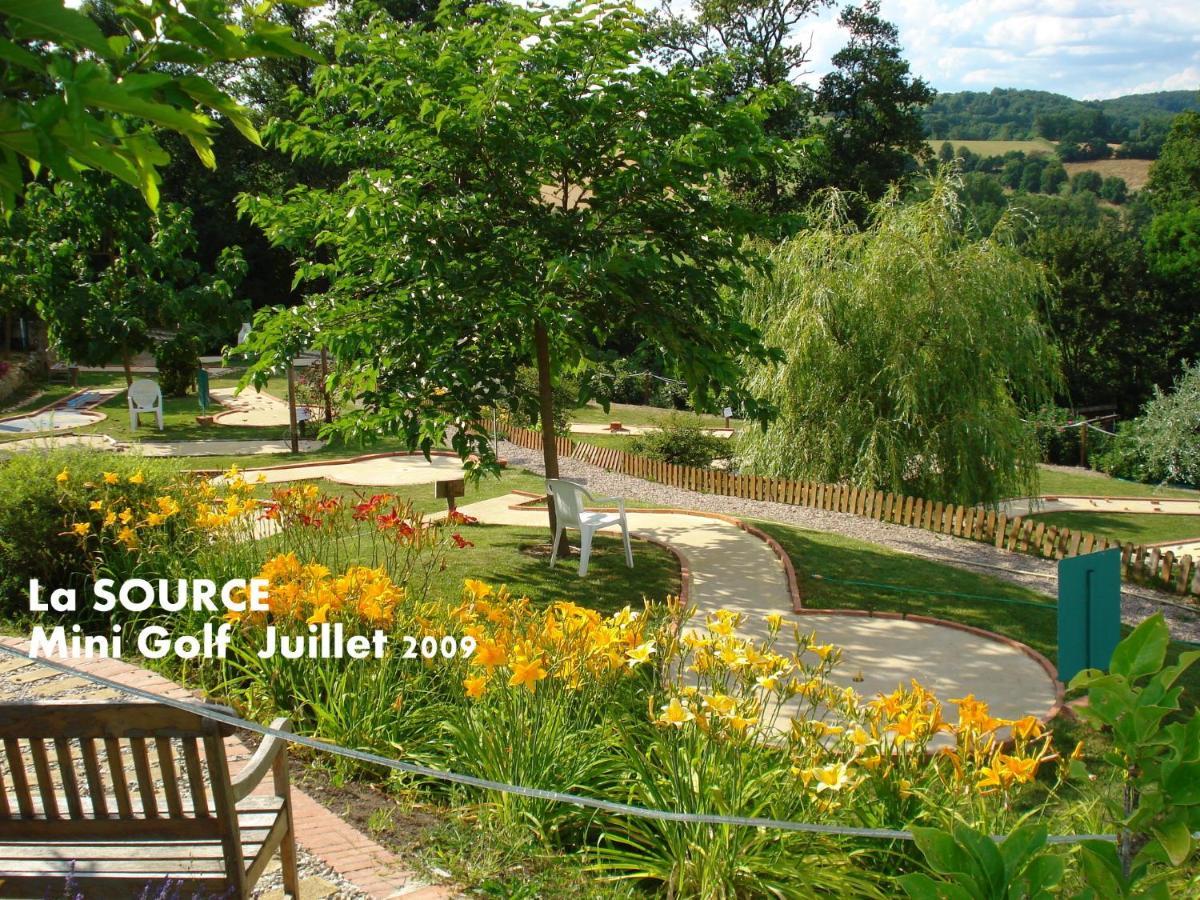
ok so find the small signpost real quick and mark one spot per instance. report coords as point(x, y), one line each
point(449, 490)
point(727, 412)
point(202, 388)
point(1089, 611)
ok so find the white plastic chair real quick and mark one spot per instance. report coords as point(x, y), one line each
point(144, 396)
point(569, 512)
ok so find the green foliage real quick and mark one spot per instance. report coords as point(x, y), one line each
point(1139, 122)
point(1156, 757)
point(1173, 247)
point(498, 202)
point(1114, 189)
point(1086, 180)
point(869, 106)
point(681, 440)
point(103, 272)
point(1175, 177)
point(521, 402)
point(36, 513)
point(911, 348)
point(971, 866)
point(1162, 444)
point(1119, 330)
point(74, 97)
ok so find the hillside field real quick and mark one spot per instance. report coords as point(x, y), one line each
point(996, 148)
point(1134, 171)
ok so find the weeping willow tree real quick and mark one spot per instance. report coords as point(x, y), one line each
point(911, 346)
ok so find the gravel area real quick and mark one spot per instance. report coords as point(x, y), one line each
point(1036, 574)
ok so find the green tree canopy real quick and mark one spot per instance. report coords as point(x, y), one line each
point(911, 347)
point(104, 272)
point(73, 97)
point(1175, 177)
point(520, 187)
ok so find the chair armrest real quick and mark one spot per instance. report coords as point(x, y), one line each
point(600, 501)
point(260, 763)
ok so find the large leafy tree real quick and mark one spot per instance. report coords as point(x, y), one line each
point(520, 187)
point(870, 107)
point(911, 348)
point(106, 274)
point(74, 96)
point(1175, 177)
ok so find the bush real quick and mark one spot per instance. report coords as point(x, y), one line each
point(38, 509)
point(1058, 444)
point(1163, 443)
point(522, 403)
point(683, 441)
point(177, 361)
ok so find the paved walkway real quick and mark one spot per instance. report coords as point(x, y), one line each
point(730, 568)
point(338, 860)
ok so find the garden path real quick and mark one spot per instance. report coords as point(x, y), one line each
point(160, 448)
point(336, 860)
point(735, 569)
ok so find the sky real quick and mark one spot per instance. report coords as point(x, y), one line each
point(1087, 49)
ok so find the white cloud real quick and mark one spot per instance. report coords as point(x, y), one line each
point(1084, 49)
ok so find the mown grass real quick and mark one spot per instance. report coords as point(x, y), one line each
point(1139, 528)
point(995, 148)
point(628, 414)
point(1087, 483)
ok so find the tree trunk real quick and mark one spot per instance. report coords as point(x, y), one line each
point(294, 430)
point(541, 340)
point(324, 389)
point(127, 364)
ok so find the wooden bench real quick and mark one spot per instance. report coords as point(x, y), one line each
point(136, 793)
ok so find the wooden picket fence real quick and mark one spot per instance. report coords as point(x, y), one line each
point(1148, 565)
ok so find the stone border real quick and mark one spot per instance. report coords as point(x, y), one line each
point(799, 609)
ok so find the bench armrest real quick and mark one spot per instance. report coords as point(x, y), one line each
point(260, 763)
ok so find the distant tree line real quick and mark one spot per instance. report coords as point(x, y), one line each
point(1131, 127)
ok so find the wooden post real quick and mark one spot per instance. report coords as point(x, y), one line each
point(1083, 444)
point(291, 378)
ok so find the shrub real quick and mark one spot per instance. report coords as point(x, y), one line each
point(683, 441)
point(1163, 443)
point(39, 508)
point(1057, 444)
point(177, 361)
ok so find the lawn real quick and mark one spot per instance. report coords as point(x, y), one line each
point(1147, 528)
point(628, 414)
point(1087, 483)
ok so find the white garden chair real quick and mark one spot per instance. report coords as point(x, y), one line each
point(569, 512)
point(144, 396)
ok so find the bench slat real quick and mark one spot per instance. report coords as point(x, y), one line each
point(166, 764)
point(195, 774)
point(116, 772)
point(91, 768)
point(16, 767)
point(41, 768)
point(66, 772)
point(141, 766)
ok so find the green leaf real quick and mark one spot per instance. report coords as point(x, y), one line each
point(50, 19)
point(1176, 839)
point(1143, 651)
point(922, 887)
point(942, 851)
point(1021, 845)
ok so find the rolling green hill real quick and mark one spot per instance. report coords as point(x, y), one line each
point(1139, 121)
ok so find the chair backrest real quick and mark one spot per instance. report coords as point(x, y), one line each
point(568, 501)
point(144, 394)
point(106, 771)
